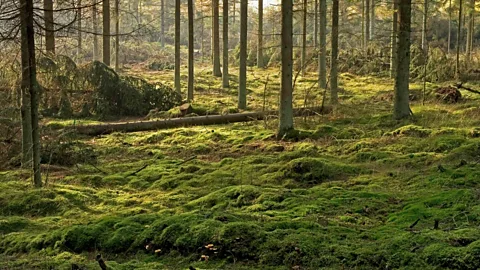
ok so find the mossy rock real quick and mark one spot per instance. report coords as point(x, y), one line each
point(412, 131)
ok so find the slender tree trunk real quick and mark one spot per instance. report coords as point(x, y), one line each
point(117, 35)
point(202, 32)
point(234, 11)
point(191, 62)
point(217, 72)
point(304, 36)
point(367, 21)
point(363, 24)
point(315, 29)
point(449, 26)
point(459, 32)
point(322, 59)
point(225, 75)
point(242, 78)
point(470, 27)
point(96, 54)
point(424, 26)
point(372, 20)
point(260, 63)
point(333, 68)
point(49, 26)
point(402, 77)
point(286, 92)
point(393, 42)
point(177, 46)
point(79, 31)
point(162, 26)
point(29, 82)
point(106, 32)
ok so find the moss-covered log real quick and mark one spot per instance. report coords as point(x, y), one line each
point(188, 121)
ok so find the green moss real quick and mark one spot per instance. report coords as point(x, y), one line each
point(412, 131)
point(316, 170)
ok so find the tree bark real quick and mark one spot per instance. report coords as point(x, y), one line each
point(117, 35)
point(242, 78)
point(49, 26)
point(191, 60)
point(101, 129)
point(177, 47)
point(225, 74)
point(202, 32)
point(286, 92)
point(96, 54)
point(106, 32)
point(217, 72)
point(470, 28)
point(424, 26)
point(333, 67)
point(393, 42)
point(304, 36)
point(363, 24)
point(402, 78)
point(449, 26)
point(367, 22)
point(79, 30)
point(29, 83)
point(260, 63)
point(162, 24)
point(322, 59)
point(459, 32)
point(372, 20)
point(315, 29)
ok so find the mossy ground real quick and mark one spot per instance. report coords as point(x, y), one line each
point(343, 194)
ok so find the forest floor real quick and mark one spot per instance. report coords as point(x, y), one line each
point(356, 190)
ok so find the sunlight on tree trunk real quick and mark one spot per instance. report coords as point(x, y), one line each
point(424, 26)
point(286, 107)
point(367, 22)
point(334, 56)
point(79, 30)
point(449, 41)
point(162, 23)
point(315, 28)
point(106, 32)
point(177, 47)
point(304, 37)
point(260, 35)
point(191, 60)
point(117, 35)
point(372, 20)
point(96, 53)
point(402, 78)
point(459, 34)
point(470, 28)
point(242, 78)
point(225, 74)
point(322, 59)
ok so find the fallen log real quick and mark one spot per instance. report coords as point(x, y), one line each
point(99, 129)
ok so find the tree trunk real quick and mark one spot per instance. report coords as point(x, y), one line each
point(402, 78)
point(96, 54)
point(372, 20)
point(315, 29)
point(304, 37)
point(333, 68)
point(459, 31)
point(202, 32)
point(225, 75)
point(424, 26)
point(242, 78)
point(106, 32)
point(49, 26)
point(449, 26)
point(286, 92)
point(117, 35)
point(393, 42)
point(260, 35)
point(177, 46)
point(470, 28)
point(322, 59)
point(217, 72)
point(367, 22)
point(191, 62)
point(79, 30)
point(363, 24)
point(162, 25)
point(29, 82)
